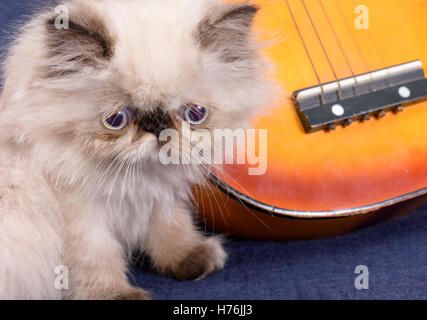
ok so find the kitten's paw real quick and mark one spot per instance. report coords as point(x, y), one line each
point(131, 294)
point(206, 258)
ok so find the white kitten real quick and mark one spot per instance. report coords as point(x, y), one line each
point(81, 183)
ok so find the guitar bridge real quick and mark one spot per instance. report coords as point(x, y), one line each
point(359, 98)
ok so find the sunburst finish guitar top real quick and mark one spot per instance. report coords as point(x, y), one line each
point(350, 135)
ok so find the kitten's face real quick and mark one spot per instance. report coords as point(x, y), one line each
point(125, 70)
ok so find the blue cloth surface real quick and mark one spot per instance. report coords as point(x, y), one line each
point(394, 252)
point(12, 13)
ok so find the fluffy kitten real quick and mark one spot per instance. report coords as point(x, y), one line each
point(81, 184)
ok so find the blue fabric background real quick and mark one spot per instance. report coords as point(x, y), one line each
point(394, 252)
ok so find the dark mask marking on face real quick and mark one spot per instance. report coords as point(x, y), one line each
point(155, 121)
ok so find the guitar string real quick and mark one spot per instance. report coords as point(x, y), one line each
point(388, 79)
point(307, 52)
point(339, 43)
point(323, 48)
point(356, 44)
point(356, 89)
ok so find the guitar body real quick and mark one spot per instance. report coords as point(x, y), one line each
point(347, 173)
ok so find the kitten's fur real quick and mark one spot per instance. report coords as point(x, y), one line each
point(74, 193)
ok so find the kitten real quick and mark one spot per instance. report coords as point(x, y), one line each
point(82, 109)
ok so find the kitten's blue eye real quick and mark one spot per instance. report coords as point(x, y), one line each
point(118, 120)
point(195, 114)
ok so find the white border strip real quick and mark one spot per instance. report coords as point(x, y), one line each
point(368, 77)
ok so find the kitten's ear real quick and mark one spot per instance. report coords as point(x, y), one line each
point(82, 41)
point(227, 30)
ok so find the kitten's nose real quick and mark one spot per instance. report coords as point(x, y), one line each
point(155, 122)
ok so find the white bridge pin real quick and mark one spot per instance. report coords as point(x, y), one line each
point(404, 92)
point(338, 110)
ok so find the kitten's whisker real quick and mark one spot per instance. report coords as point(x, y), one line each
point(118, 172)
point(209, 188)
point(113, 159)
point(202, 180)
point(223, 172)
